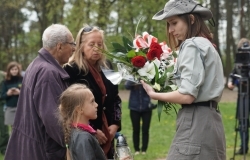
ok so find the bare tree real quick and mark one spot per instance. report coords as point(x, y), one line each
point(216, 16)
point(47, 12)
point(230, 39)
point(11, 21)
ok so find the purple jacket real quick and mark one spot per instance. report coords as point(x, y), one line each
point(37, 134)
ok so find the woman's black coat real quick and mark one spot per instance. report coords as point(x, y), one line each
point(112, 104)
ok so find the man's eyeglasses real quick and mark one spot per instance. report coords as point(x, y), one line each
point(71, 43)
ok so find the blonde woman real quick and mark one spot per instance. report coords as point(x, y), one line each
point(84, 67)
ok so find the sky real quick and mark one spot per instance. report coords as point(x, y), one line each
point(31, 17)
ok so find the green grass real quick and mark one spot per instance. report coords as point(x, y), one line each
point(161, 133)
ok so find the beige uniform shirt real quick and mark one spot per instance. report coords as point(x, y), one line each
point(199, 71)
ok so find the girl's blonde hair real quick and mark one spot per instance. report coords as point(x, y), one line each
point(72, 98)
point(78, 56)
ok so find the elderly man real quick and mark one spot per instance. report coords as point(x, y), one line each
point(36, 133)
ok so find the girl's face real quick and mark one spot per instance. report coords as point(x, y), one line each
point(89, 109)
point(14, 71)
point(177, 27)
point(90, 50)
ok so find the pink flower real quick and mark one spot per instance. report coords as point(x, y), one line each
point(166, 50)
point(144, 41)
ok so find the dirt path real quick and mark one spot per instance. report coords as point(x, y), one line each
point(227, 96)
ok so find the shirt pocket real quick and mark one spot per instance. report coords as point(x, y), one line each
point(187, 150)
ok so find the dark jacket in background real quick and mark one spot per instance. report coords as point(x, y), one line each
point(233, 77)
point(138, 99)
point(241, 84)
point(14, 82)
point(4, 130)
point(2, 77)
point(112, 104)
point(37, 134)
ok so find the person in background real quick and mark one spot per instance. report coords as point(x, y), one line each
point(37, 134)
point(199, 76)
point(10, 91)
point(84, 67)
point(4, 131)
point(139, 105)
point(235, 81)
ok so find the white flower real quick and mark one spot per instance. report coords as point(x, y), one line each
point(173, 87)
point(157, 86)
point(148, 70)
point(171, 63)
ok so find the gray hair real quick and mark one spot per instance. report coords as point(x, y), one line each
point(54, 34)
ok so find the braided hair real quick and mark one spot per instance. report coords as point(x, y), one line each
point(72, 98)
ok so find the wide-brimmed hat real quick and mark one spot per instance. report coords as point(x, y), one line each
point(178, 7)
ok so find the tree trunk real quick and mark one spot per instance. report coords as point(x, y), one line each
point(230, 39)
point(216, 15)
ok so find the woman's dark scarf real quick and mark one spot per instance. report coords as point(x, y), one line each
point(98, 78)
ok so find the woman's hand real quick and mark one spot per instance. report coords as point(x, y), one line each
point(147, 88)
point(112, 130)
point(16, 91)
point(230, 85)
point(102, 139)
point(13, 91)
point(10, 92)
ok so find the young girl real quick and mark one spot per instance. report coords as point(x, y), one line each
point(200, 81)
point(77, 107)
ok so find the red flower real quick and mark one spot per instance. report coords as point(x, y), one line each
point(155, 50)
point(138, 61)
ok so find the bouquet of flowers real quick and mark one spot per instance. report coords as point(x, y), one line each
point(146, 59)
